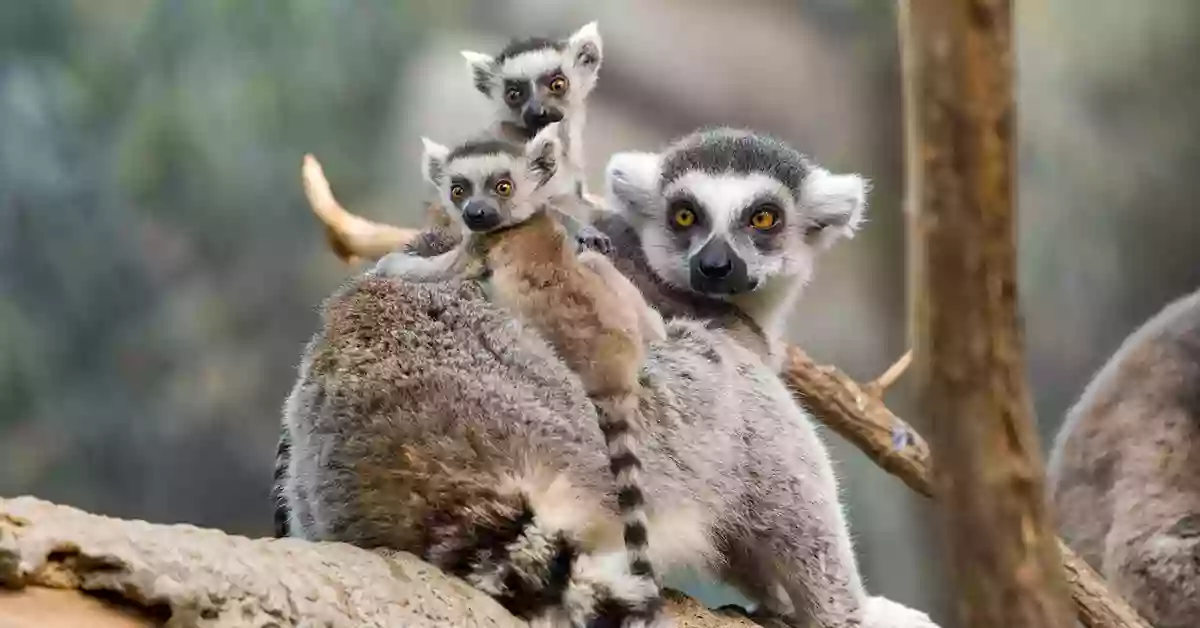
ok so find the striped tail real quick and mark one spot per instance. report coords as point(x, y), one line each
point(619, 419)
point(513, 546)
point(282, 456)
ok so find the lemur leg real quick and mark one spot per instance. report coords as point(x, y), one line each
point(1152, 550)
point(416, 268)
point(650, 322)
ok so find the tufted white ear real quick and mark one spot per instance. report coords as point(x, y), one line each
point(585, 48)
point(544, 152)
point(433, 161)
point(836, 204)
point(480, 66)
point(631, 181)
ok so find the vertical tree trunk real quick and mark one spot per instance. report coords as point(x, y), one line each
point(957, 68)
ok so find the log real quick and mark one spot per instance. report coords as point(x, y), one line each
point(62, 567)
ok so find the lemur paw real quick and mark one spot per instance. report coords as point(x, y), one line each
point(881, 612)
point(592, 238)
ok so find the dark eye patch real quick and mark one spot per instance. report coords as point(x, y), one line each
point(546, 79)
point(466, 186)
point(516, 92)
point(772, 239)
point(496, 177)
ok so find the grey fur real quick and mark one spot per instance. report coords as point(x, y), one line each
point(724, 440)
point(1124, 470)
point(721, 150)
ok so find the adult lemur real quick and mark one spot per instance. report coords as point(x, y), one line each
point(1124, 471)
point(425, 418)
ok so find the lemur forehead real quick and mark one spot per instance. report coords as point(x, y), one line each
point(531, 44)
point(530, 58)
point(483, 146)
point(479, 166)
point(723, 151)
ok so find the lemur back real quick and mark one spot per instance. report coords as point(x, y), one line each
point(1124, 469)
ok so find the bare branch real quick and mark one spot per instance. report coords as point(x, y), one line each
point(889, 377)
point(863, 420)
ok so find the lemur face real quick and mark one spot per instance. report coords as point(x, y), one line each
point(488, 184)
point(536, 82)
point(727, 213)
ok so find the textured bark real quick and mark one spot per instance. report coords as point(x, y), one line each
point(64, 567)
point(1004, 557)
point(860, 416)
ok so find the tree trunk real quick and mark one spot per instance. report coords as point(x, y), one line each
point(957, 69)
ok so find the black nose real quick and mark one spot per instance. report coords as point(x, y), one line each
point(718, 269)
point(713, 261)
point(480, 216)
point(536, 117)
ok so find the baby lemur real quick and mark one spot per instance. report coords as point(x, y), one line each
point(596, 320)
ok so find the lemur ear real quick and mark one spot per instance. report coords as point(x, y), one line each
point(544, 152)
point(630, 182)
point(835, 204)
point(586, 48)
point(480, 66)
point(433, 161)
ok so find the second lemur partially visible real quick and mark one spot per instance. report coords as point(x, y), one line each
point(595, 319)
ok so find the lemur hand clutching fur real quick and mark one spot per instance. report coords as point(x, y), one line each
point(535, 82)
point(597, 322)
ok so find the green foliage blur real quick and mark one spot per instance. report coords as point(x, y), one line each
point(156, 257)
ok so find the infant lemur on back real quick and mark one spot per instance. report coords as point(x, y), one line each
point(535, 82)
point(502, 195)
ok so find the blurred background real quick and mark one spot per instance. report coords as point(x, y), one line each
point(160, 270)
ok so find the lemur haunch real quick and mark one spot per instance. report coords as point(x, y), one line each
point(1124, 470)
point(589, 312)
point(738, 481)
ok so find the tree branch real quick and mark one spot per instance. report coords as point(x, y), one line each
point(61, 568)
point(863, 420)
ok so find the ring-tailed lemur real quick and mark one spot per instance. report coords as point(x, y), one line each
point(534, 82)
point(738, 480)
point(502, 196)
point(1124, 470)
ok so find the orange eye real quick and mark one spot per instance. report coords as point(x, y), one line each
point(504, 187)
point(559, 84)
point(457, 192)
point(765, 219)
point(684, 217)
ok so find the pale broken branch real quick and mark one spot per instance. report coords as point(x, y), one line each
point(889, 377)
point(352, 238)
point(862, 419)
